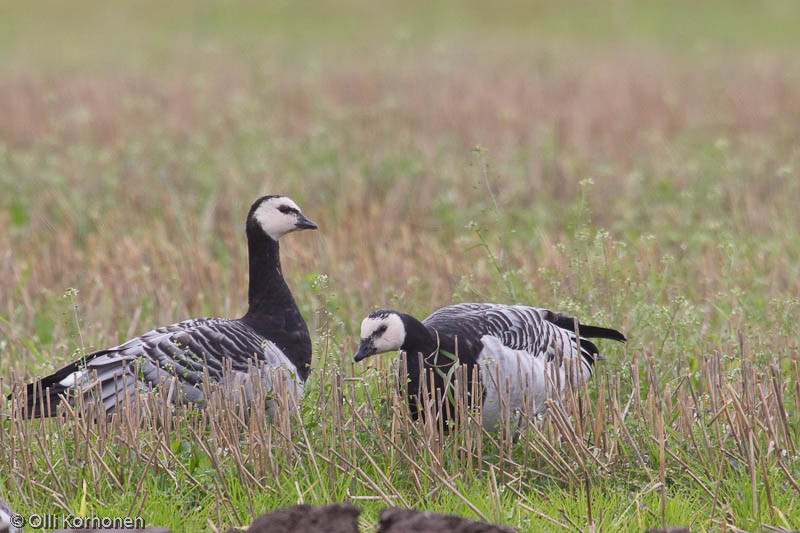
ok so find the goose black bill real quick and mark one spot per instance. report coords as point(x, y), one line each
point(305, 223)
point(365, 349)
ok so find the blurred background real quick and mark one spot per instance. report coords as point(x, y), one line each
point(605, 158)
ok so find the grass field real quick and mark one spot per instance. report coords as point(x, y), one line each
point(636, 164)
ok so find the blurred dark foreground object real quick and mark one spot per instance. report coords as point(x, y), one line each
point(153, 530)
point(397, 520)
point(336, 518)
point(343, 518)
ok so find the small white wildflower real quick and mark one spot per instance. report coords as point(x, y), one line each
point(320, 282)
point(70, 293)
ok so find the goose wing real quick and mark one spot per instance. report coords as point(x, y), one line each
point(185, 351)
point(540, 332)
point(519, 328)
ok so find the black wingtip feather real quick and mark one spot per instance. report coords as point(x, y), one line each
point(49, 387)
point(564, 321)
point(597, 332)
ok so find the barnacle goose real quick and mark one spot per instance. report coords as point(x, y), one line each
point(272, 335)
point(523, 353)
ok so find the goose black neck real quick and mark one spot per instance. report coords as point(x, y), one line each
point(418, 338)
point(420, 343)
point(268, 290)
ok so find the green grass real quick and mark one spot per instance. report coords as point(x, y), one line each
point(643, 161)
point(93, 35)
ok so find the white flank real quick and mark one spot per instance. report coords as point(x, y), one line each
point(513, 378)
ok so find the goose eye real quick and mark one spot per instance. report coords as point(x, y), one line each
point(381, 329)
point(285, 209)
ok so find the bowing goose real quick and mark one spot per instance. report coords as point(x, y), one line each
point(523, 353)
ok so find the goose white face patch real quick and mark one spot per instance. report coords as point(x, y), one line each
point(277, 216)
point(387, 332)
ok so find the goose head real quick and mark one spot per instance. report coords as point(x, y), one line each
point(381, 331)
point(276, 216)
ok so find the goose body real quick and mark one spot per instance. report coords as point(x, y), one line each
point(270, 342)
point(522, 356)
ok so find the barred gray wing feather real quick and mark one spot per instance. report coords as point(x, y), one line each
point(518, 327)
point(540, 332)
point(177, 356)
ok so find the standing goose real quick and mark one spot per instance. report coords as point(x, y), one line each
point(517, 351)
point(272, 335)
